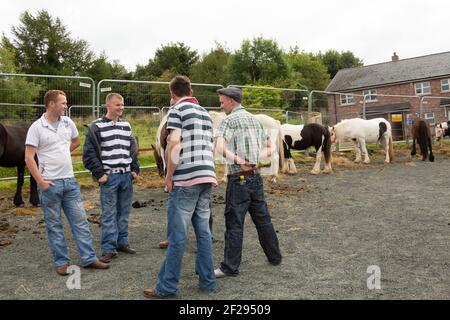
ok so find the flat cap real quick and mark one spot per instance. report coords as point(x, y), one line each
point(232, 92)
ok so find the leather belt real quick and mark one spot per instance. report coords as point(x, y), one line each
point(246, 173)
point(119, 170)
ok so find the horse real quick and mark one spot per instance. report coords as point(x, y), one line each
point(159, 150)
point(362, 131)
point(421, 132)
point(301, 137)
point(442, 130)
point(273, 130)
point(12, 154)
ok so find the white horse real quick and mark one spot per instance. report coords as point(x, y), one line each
point(273, 130)
point(361, 131)
point(442, 130)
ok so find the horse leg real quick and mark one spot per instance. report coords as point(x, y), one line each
point(385, 143)
point(225, 173)
point(431, 158)
point(413, 150)
point(362, 142)
point(18, 196)
point(34, 197)
point(357, 151)
point(316, 169)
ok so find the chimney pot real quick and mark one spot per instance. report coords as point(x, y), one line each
point(395, 57)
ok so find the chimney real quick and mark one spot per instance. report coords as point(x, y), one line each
point(394, 57)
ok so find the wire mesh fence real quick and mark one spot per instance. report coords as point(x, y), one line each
point(22, 95)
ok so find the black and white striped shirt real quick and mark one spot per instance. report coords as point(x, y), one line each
point(196, 164)
point(115, 142)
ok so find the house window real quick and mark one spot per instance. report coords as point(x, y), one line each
point(445, 85)
point(430, 117)
point(347, 99)
point(423, 88)
point(371, 95)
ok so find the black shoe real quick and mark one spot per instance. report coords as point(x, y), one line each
point(126, 249)
point(107, 257)
point(275, 262)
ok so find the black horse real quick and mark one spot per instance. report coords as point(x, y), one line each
point(12, 154)
point(421, 132)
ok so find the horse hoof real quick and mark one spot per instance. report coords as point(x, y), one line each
point(327, 171)
point(366, 161)
point(315, 172)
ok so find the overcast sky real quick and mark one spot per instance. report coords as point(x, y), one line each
point(131, 30)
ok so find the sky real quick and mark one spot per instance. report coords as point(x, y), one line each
point(131, 30)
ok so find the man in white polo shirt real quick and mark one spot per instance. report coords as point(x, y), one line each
point(52, 138)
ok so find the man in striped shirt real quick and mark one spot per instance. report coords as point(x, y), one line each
point(189, 178)
point(110, 153)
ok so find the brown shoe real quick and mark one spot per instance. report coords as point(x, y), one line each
point(126, 249)
point(151, 293)
point(62, 270)
point(107, 257)
point(164, 244)
point(98, 265)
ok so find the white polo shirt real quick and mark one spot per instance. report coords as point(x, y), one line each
point(53, 147)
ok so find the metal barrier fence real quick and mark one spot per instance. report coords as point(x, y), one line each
point(153, 93)
point(21, 98)
point(22, 95)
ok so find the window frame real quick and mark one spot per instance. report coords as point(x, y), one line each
point(426, 117)
point(372, 95)
point(422, 86)
point(448, 85)
point(347, 98)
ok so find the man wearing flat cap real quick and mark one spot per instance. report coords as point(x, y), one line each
point(241, 139)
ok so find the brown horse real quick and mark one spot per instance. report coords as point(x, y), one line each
point(12, 154)
point(421, 132)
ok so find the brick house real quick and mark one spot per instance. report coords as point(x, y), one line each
point(427, 76)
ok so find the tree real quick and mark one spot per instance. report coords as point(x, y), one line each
point(44, 46)
point(335, 61)
point(15, 90)
point(175, 58)
point(211, 68)
point(306, 70)
point(101, 68)
point(259, 61)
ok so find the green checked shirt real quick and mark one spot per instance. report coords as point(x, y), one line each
point(245, 137)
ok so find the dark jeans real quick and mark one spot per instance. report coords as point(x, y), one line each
point(243, 196)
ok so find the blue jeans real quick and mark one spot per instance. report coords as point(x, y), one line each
point(116, 196)
point(65, 194)
point(187, 204)
point(243, 196)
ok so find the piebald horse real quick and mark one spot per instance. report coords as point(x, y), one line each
point(273, 130)
point(301, 137)
point(362, 131)
point(442, 130)
point(421, 132)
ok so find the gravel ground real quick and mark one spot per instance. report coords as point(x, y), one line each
point(331, 229)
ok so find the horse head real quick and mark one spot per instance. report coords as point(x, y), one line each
point(442, 130)
point(159, 161)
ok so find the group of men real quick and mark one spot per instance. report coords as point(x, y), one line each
point(110, 154)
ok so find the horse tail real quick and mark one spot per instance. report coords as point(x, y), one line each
point(391, 149)
point(383, 129)
point(280, 146)
point(423, 137)
point(326, 145)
